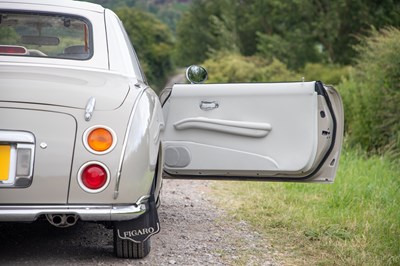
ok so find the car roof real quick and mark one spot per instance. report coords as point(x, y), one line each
point(59, 3)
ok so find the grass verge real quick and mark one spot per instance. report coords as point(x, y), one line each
point(355, 221)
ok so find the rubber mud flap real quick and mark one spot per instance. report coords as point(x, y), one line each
point(140, 229)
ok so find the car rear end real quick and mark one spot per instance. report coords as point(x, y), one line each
point(77, 138)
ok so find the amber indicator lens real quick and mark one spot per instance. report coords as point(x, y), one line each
point(100, 139)
point(94, 176)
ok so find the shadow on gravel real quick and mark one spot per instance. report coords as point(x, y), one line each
point(41, 243)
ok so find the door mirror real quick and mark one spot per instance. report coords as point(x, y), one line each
point(196, 74)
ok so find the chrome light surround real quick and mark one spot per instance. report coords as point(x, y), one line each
point(22, 154)
point(89, 130)
point(80, 182)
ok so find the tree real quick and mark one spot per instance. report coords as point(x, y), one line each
point(167, 11)
point(357, 17)
point(294, 31)
point(153, 43)
point(372, 95)
point(207, 28)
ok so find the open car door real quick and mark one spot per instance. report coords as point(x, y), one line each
point(253, 131)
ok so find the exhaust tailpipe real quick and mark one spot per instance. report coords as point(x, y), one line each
point(62, 220)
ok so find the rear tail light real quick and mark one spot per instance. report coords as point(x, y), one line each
point(93, 177)
point(24, 162)
point(17, 152)
point(99, 139)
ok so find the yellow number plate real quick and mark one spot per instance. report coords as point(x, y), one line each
point(4, 161)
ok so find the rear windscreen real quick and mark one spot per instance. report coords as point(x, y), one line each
point(45, 35)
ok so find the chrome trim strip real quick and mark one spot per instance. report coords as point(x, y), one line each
point(16, 136)
point(30, 213)
point(18, 141)
point(125, 143)
point(90, 108)
point(142, 199)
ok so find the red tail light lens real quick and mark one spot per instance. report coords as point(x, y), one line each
point(93, 177)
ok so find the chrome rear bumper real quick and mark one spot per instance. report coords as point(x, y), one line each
point(30, 213)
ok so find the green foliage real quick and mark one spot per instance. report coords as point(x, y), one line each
point(113, 4)
point(356, 18)
point(152, 41)
point(207, 28)
point(293, 54)
point(170, 15)
point(232, 67)
point(9, 36)
point(327, 73)
point(296, 32)
point(326, 31)
point(167, 11)
point(354, 221)
point(290, 37)
point(372, 94)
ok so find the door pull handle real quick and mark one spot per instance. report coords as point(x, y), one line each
point(208, 105)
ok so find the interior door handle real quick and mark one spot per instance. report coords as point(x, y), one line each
point(208, 105)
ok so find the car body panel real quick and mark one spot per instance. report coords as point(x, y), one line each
point(141, 146)
point(110, 85)
point(60, 86)
point(52, 165)
point(122, 56)
point(132, 162)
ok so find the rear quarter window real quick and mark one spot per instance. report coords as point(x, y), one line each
point(45, 35)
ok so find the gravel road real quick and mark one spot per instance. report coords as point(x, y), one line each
point(193, 232)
